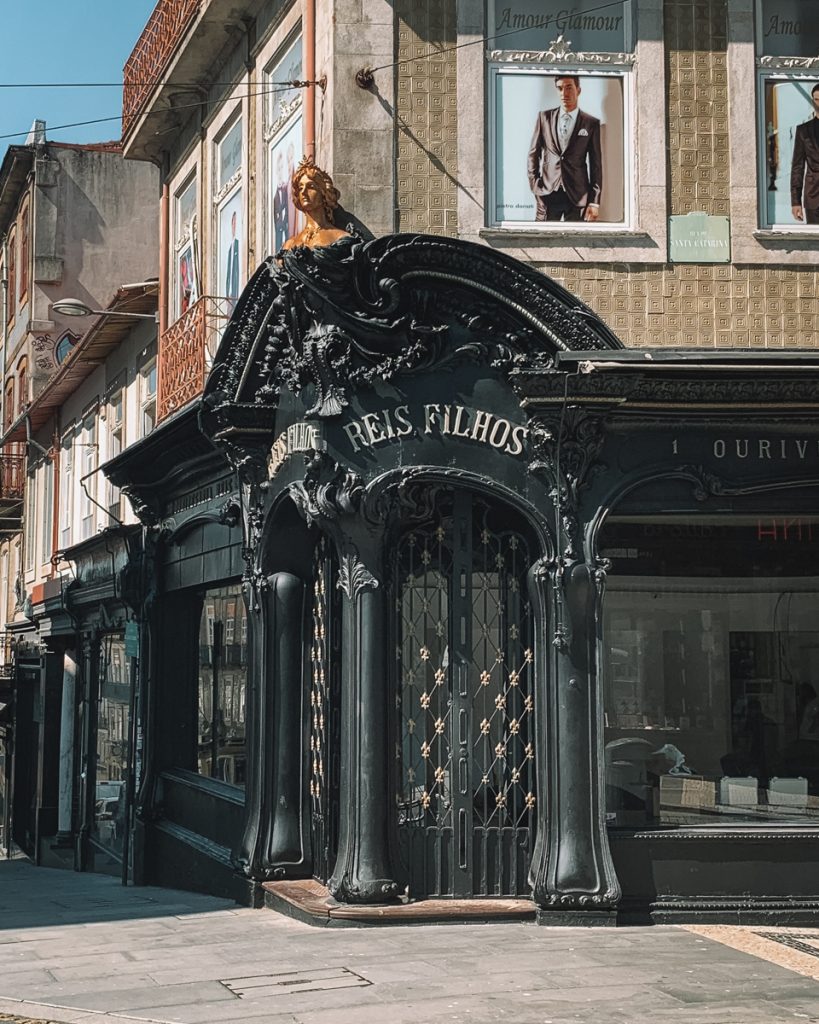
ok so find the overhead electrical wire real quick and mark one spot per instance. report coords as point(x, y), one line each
point(279, 87)
point(283, 87)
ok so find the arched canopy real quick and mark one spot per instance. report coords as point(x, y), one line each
point(334, 320)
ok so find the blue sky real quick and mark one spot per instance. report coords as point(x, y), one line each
point(65, 41)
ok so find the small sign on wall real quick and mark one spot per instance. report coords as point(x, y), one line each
point(699, 238)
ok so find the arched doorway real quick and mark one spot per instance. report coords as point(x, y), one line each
point(465, 736)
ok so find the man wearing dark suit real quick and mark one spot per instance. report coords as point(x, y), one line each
point(565, 164)
point(232, 267)
point(280, 208)
point(805, 166)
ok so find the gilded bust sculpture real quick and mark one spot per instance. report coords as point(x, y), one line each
point(317, 198)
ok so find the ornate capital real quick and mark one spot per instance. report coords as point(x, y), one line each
point(353, 575)
point(328, 490)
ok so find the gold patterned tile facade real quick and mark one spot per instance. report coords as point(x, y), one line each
point(427, 117)
point(705, 306)
point(697, 71)
point(714, 306)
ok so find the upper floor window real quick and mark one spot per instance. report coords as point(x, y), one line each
point(90, 454)
point(47, 514)
point(65, 343)
point(116, 442)
point(66, 489)
point(22, 385)
point(24, 256)
point(147, 397)
point(560, 128)
point(30, 525)
point(186, 248)
point(8, 412)
point(787, 38)
point(12, 275)
point(283, 134)
point(228, 201)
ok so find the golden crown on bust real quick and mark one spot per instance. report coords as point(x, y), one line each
point(330, 195)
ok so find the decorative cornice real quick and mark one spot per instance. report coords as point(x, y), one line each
point(797, 388)
point(720, 834)
point(788, 63)
point(560, 52)
point(286, 110)
point(228, 187)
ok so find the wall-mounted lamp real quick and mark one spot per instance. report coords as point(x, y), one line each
point(73, 307)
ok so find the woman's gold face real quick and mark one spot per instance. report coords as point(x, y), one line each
point(308, 194)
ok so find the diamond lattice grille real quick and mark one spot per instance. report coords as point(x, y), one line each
point(319, 681)
point(425, 751)
point(466, 750)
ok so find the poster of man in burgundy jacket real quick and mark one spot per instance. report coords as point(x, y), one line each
point(805, 167)
point(565, 165)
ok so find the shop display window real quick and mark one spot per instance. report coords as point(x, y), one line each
point(113, 743)
point(787, 37)
point(561, 137)
point(711, 671)
point(222, 686)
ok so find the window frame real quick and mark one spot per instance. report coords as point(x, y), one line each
point(185, 238)
point(11, 276)
point(622, 70)
point(277, 128)
point(90, 464)
point(224, 194)
point(66, 487)
point(47, 514)
point(766, 75)
point(147, 399)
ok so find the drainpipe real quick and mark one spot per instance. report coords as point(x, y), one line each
point(164, 206)
point(310, 76)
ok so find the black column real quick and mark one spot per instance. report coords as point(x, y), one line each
point(275, 842)
point(572, 874)
point(363, 871)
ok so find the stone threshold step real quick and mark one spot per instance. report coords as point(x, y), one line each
point(309, 901)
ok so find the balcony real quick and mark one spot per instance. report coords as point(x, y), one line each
point(152, 54)
point(12, 473)
point(186, 352)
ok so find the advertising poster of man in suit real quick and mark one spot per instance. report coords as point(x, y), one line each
point(565, 161)
point(230, 249)
point(285, 153)
point(560, 148)
point(281, 228)
point(805, 166)
point(789, 153)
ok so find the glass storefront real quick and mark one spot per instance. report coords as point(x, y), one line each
point(222, 685)
point(711, 668)
point(113, 754)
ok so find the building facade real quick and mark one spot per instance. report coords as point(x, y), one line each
point(75, 392)
point(589, 234)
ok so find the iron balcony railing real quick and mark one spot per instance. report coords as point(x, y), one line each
point(186, 352)
point(152, 54)
point(12, 474)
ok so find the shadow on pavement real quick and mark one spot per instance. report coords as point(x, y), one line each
point(32, 897)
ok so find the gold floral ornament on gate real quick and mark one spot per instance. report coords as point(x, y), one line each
point(317, 197)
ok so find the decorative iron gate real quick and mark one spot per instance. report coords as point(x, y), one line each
point(325, 719)
point(465, 752)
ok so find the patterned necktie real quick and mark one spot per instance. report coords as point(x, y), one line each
point(563, 129)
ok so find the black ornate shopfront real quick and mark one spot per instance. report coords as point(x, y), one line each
point(516, 623)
